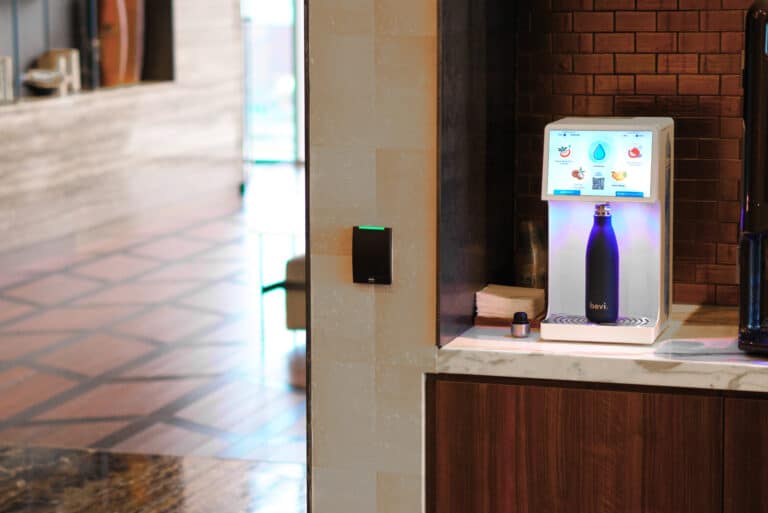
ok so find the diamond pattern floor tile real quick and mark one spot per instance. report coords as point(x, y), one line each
point(118, 399)
point(10, 310)
point(139, 293)
point(16, 346)
point(116, 267)
point(168, 324)
point(96, 354)
point(22, 388)
point(53, 289)
point(75, 435)
point(166, 439)
point(171, 248)
point(195, 271)
point(82, 318)
point(226, 298)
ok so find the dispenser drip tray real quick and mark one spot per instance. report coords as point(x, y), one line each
point(581, 320)
point(577, 328)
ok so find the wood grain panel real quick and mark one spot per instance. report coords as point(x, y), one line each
point(528, 449)
point(73, 163)
point(746, 456)
point(462, 125)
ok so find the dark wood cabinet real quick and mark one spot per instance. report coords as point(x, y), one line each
point(746, 456)
point(540, 448)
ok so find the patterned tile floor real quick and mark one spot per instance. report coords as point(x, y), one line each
point(152, 336)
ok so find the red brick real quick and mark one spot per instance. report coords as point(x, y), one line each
point(614, 84)
point(570, 42)
point(728, 232)
point(731, 85)
point(571, 5)
point(635, 63)
point(553, 104)
point(613, 5)
point(699, 84)
point(573, 84)
point(656, 84)
point(696, 251)
point(721, 105)
point(729, 189)
point(679, 21)
point(656, 5)
point(722, 21)
point(593, 22)
point(612, 43)
point(687, 149)
point(730, 170)
point(593, 63)
point(679, 105)
point(698, 127)
point(694, 169)
point(727, 295)
point(728, 254)
point(699, 42)
point(699, 4)
point(684, 271)
point(717, 149)
point(628, 21)
point(737, 4)
point(732, 128)
point(678, 63)
point(732, 41)
point(720, 63)
point(634, 105)
point(729, 211)
point(661, 42)
point(694, 294)
point(593, 105)
point(717, 274)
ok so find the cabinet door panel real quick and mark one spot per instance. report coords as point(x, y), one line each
point(537, 449)
point(746, 456)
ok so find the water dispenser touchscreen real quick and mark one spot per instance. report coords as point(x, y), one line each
point(603, 164)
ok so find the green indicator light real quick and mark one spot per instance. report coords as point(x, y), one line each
point(374, 228)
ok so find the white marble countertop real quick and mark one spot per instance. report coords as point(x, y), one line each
point(697, 350)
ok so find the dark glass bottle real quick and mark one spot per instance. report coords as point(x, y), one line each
point(602, 274)
point(753, 241)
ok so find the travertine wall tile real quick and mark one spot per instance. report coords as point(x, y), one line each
point(372, 144)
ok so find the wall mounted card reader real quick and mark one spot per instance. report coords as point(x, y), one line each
point(372, 255)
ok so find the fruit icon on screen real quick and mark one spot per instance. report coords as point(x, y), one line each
point(578, 174)
point(635, 153)
point(619, 176)
point(565, 151)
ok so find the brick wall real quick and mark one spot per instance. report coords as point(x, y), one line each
point(678, 58)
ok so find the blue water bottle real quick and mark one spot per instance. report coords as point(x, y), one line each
point(602, 269)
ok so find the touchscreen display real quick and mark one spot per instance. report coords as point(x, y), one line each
point(600, 163)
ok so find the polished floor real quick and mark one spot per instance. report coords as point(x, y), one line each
point(152, 335)
point(38, 480)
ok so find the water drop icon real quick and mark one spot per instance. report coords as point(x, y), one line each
point(599, 153)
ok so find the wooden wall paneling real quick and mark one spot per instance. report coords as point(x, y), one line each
point(746, 456)
point(528, 449)
point(461, 141)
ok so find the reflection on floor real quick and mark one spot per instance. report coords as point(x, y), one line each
point(152, 335)
point(72, 481)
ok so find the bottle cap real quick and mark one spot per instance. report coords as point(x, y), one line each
point(603, 210)
point(521, 327)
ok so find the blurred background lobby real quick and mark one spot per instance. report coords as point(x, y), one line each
point(152, 303)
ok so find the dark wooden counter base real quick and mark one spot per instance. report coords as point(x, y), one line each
point(505, 446)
